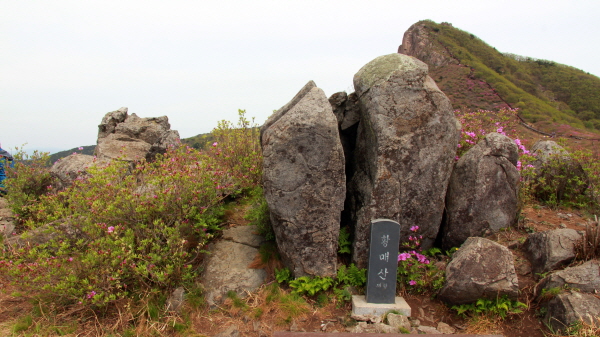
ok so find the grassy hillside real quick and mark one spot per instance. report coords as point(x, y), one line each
point(89, 150)
point(544, 91)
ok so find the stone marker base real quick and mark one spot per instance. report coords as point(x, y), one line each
point(361, 307)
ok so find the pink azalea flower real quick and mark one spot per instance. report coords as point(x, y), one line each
point(412, 282)
point(111, 229)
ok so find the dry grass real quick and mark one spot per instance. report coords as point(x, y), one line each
point(589, 247)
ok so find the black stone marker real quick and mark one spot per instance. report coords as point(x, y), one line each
point(383, 261)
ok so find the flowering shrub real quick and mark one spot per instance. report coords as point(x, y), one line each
point(416, 273)
point(477, 124)
point(559, 183)
point(129, 232)
point(27, 181)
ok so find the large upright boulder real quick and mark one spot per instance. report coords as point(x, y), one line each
point(304, 181)
point(482, 195)
point(405, 149)
point(131, 138)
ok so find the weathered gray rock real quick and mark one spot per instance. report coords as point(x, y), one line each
point(416, 42)
point(7, 219)
point(445, 329)
point(70, 168)
point(346, 109)
point(585, 278)
point(247, 235)
point(428, 330)
point(175, 301)
point(551, 249)
point(58, 230)
point(131, 138)
point(304, 182)
point(231, 331)
point(481, 268)
point(555, 167)
point(483, 193)
point(226, 269)
point(405, 150)
point(399, 321)
point(567, 309)
point(364, 327)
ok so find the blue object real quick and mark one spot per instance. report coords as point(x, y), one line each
point(5, 159)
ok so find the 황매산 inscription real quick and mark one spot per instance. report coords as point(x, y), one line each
point(383, 261)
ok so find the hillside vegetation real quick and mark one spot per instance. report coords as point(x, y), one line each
point(543, 91)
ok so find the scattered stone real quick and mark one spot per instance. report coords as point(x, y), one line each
point(175, 301)
point(366, 318)
point(364, 327)
point(567, 309)
point(405, 150)
point(399, 321)
point(480, 268)
point(445, 328)
point(585, 278)
point(482, 194)
point(231, 331)
point(551, 249)
point(304, 182)
point(424, 329)
point(58, 230)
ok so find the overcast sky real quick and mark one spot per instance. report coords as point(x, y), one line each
point(65, 64)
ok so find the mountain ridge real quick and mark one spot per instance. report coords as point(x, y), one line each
point(475, 75)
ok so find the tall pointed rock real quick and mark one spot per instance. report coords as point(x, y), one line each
point(405, 150)
point(304, 182)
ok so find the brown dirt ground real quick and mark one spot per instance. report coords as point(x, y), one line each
point(260, 318)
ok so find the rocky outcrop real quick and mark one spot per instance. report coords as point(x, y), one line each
point(304, 182)
point(567, 309)
point(480, 269)
point(68, 169)
point(405, 149)
point(482, 195)
point(227, 266)
point(585, 278)
point(549, 250)
point(131, 138)
point(416, 42)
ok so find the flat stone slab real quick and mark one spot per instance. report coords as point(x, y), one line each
point(226, 269)
point(361, 307)
point(247, 235)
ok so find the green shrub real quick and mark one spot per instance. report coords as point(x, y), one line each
point(344, 243)
point(351, 275)
point(501, 306)
point(28, 180)
point(259, 215)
